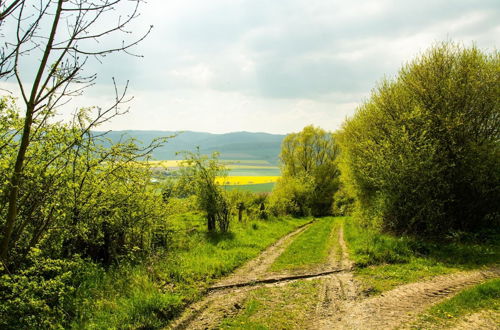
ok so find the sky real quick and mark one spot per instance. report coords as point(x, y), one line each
point(275, 66)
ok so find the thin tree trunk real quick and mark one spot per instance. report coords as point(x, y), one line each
point(15, 182)
point(25, 140)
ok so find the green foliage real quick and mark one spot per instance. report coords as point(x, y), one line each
point(291, 195)
point(40, 295)
point(422, 155)
point(152, 293)
point(76, 197)
point(370, 247)
point(197, 176)
point(343, 202)
point(308, 158)
point(254, 206)
point(384, 261)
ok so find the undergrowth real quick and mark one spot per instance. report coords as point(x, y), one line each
point(384, 261)
point(150, 294)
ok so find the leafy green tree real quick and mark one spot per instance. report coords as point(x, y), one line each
point(422, 154)
point(63, 35)
point(198, 176)
point(309, 158)
point(88, 199)
point(80, 207)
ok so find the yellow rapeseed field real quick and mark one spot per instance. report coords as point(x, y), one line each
point(178, 163)
point(245, 180)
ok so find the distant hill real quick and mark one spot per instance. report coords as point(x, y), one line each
point(237, 145)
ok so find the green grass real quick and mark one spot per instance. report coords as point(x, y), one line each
point(485, 296)
point(384, 261)
point(256, 188)
point(150, 294)
point(282, 307)
point(310, 248)
point(253, 162)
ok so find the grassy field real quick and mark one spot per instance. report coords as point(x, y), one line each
point(248, 175)
point(256, 188)
point(384, 262)
point(310, 248)
point(149, 295)
point(482, 297)
point(230, 164)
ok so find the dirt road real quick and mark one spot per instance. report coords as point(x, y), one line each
point(340, 304)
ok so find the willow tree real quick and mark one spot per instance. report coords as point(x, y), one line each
point(60, 37)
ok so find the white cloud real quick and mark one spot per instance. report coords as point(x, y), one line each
point(276, 66)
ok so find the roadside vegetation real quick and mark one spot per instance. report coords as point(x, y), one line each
point(150, 294)
point(384, 261)
point(286, 307)
point(484, 298)
point(421, 155)
point(310, 175)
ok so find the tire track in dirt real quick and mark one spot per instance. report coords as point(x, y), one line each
point(397, 307)
point(336, 289)
point(340, 305)
point(226, 296)
point(485, 320)
point(256, 269)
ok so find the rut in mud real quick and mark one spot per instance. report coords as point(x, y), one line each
point(336, 289)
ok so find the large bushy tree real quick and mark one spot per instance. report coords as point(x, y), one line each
point(88, 199)
point(309, 169)
point(422, 154)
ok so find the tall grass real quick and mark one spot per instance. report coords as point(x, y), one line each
point(384, 261)
point(150, 294)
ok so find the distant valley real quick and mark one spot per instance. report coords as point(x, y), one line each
point(237, 145)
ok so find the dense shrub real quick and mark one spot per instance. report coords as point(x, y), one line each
point(41, 294)
point(422, 154)
point(197, 177)
point(292, 195)
point(76, 195)
point(343, 202)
